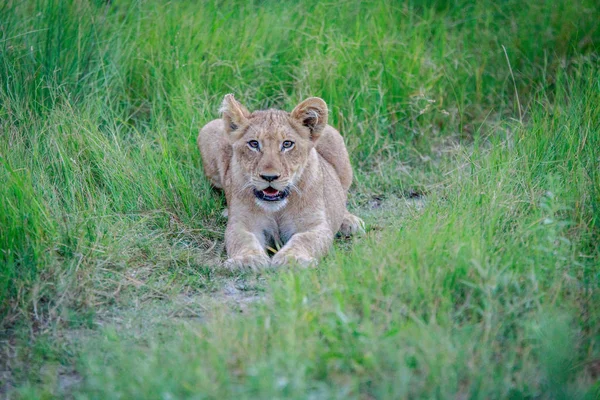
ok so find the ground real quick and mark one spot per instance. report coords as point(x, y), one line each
point(473, 129)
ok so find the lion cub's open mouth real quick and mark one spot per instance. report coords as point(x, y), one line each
point(271, 194)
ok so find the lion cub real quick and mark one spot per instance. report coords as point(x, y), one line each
point(285, 176)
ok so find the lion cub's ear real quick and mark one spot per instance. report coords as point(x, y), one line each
point(234, 114)
point(312, 113)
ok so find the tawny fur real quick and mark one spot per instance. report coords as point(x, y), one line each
point(316, 171)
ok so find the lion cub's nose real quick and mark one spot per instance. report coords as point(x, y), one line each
point(269, 178)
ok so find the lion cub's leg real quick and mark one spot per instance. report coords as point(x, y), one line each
point(351, 224)
point(244, 249)
point(304, 248)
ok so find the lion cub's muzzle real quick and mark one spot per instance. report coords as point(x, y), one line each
point(271, 194)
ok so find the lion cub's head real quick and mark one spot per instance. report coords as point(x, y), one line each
point(271, 147)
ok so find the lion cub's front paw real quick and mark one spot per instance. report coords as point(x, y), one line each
point(251, 261)
point(352, 225)
point(286, 258)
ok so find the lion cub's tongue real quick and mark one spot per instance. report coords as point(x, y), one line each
point(270, 191)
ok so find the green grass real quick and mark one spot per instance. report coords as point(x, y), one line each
point(111, 237)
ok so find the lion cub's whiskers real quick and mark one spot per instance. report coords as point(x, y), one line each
point(295, 188)
point(244, 187)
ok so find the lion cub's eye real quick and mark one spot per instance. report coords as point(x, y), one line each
point(253, 144)
point(287, 144)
